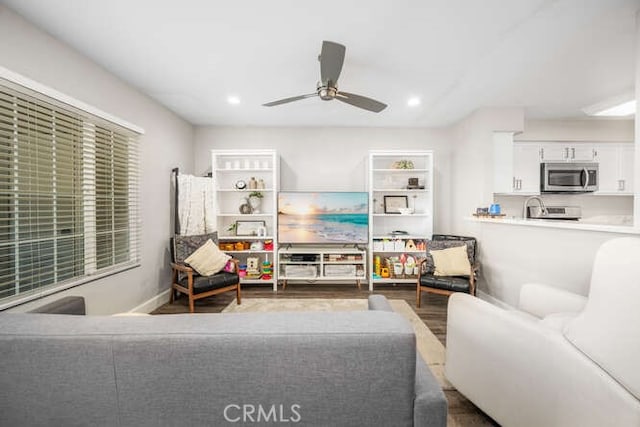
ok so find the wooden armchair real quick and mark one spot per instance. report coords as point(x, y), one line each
point(446, 285)
point(187, 281)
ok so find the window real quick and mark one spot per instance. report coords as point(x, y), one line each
point(68, 196)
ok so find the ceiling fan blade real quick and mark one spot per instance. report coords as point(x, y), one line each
point(361, 101)
point(331, 60)
point(285, 100)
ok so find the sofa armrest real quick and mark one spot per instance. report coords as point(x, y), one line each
point(430, 404)
point(541, 300)
point(379, 302)
point(521, 373)
point(66, 305)
point(181, 267)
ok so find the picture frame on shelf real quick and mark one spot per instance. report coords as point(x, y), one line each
point(249, 228)
point(393, 204)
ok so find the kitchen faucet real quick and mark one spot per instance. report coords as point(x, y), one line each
point(543, 208)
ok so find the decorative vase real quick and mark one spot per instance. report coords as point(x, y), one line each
point(255, 203)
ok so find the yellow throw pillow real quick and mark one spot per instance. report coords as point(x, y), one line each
point(451, 262)
point(208, 259)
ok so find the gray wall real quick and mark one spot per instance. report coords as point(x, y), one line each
point(167, 143)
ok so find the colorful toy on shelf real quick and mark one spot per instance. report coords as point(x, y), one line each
point(267, 270)
point(268, 245)
point(377, 265)
point(384, 273)
point(242, 270)
point(253, 268)
point(410, 245)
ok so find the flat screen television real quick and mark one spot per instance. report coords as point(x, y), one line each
point(323, 217)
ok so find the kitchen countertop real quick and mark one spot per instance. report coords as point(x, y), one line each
point(567, 225)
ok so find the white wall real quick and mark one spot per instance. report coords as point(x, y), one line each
point(472, 160)
point(333, 158)
point(167, 143)
point(636, 184)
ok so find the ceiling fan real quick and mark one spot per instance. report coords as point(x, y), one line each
point(331, 59)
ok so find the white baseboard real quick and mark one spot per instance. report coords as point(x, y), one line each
point(493, 300)
point(151, 304)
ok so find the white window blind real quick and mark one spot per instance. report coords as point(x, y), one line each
point(68, 196)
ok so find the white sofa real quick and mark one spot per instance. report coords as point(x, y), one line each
point(560, 359)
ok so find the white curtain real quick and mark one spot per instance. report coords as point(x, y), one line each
point(196, 205)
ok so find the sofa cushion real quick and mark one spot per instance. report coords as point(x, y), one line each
point(208, 259)
point(607, 330)
point(451, 262)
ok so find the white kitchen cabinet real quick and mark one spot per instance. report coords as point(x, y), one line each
point(526, 168)
point(516, 165)
point(627, 167)
point(567, 152)
point(616, 161)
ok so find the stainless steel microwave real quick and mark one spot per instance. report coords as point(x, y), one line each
point(568, 177)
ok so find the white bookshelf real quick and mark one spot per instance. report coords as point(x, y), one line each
point(388, 177)
point(228, 168)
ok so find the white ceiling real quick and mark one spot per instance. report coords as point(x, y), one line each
point(551, 57)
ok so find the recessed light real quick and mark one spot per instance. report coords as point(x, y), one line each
point(233, 100)
point(414, 101)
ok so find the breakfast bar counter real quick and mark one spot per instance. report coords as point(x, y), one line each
point(513, 251)
point(567, 225)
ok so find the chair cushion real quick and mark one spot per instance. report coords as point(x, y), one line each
point(183, 246)
point(208, 283)
point(208, 259)
point(446, 283)
point(451, 262)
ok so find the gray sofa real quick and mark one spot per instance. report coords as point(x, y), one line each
point(314, 369)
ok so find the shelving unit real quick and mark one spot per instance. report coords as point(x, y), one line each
point(389, 174)
point(319, 263)
point(256, 225)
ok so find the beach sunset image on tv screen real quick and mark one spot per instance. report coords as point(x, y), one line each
point(323, 217)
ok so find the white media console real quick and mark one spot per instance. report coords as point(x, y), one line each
point(318, 263)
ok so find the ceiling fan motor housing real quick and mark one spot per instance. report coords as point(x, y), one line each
point(327, 93)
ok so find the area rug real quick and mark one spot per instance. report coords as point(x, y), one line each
point(429, 347)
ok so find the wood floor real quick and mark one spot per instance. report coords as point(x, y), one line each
point(433, 312)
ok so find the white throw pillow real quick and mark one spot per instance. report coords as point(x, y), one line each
point(451, 262)
point(208, 259)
